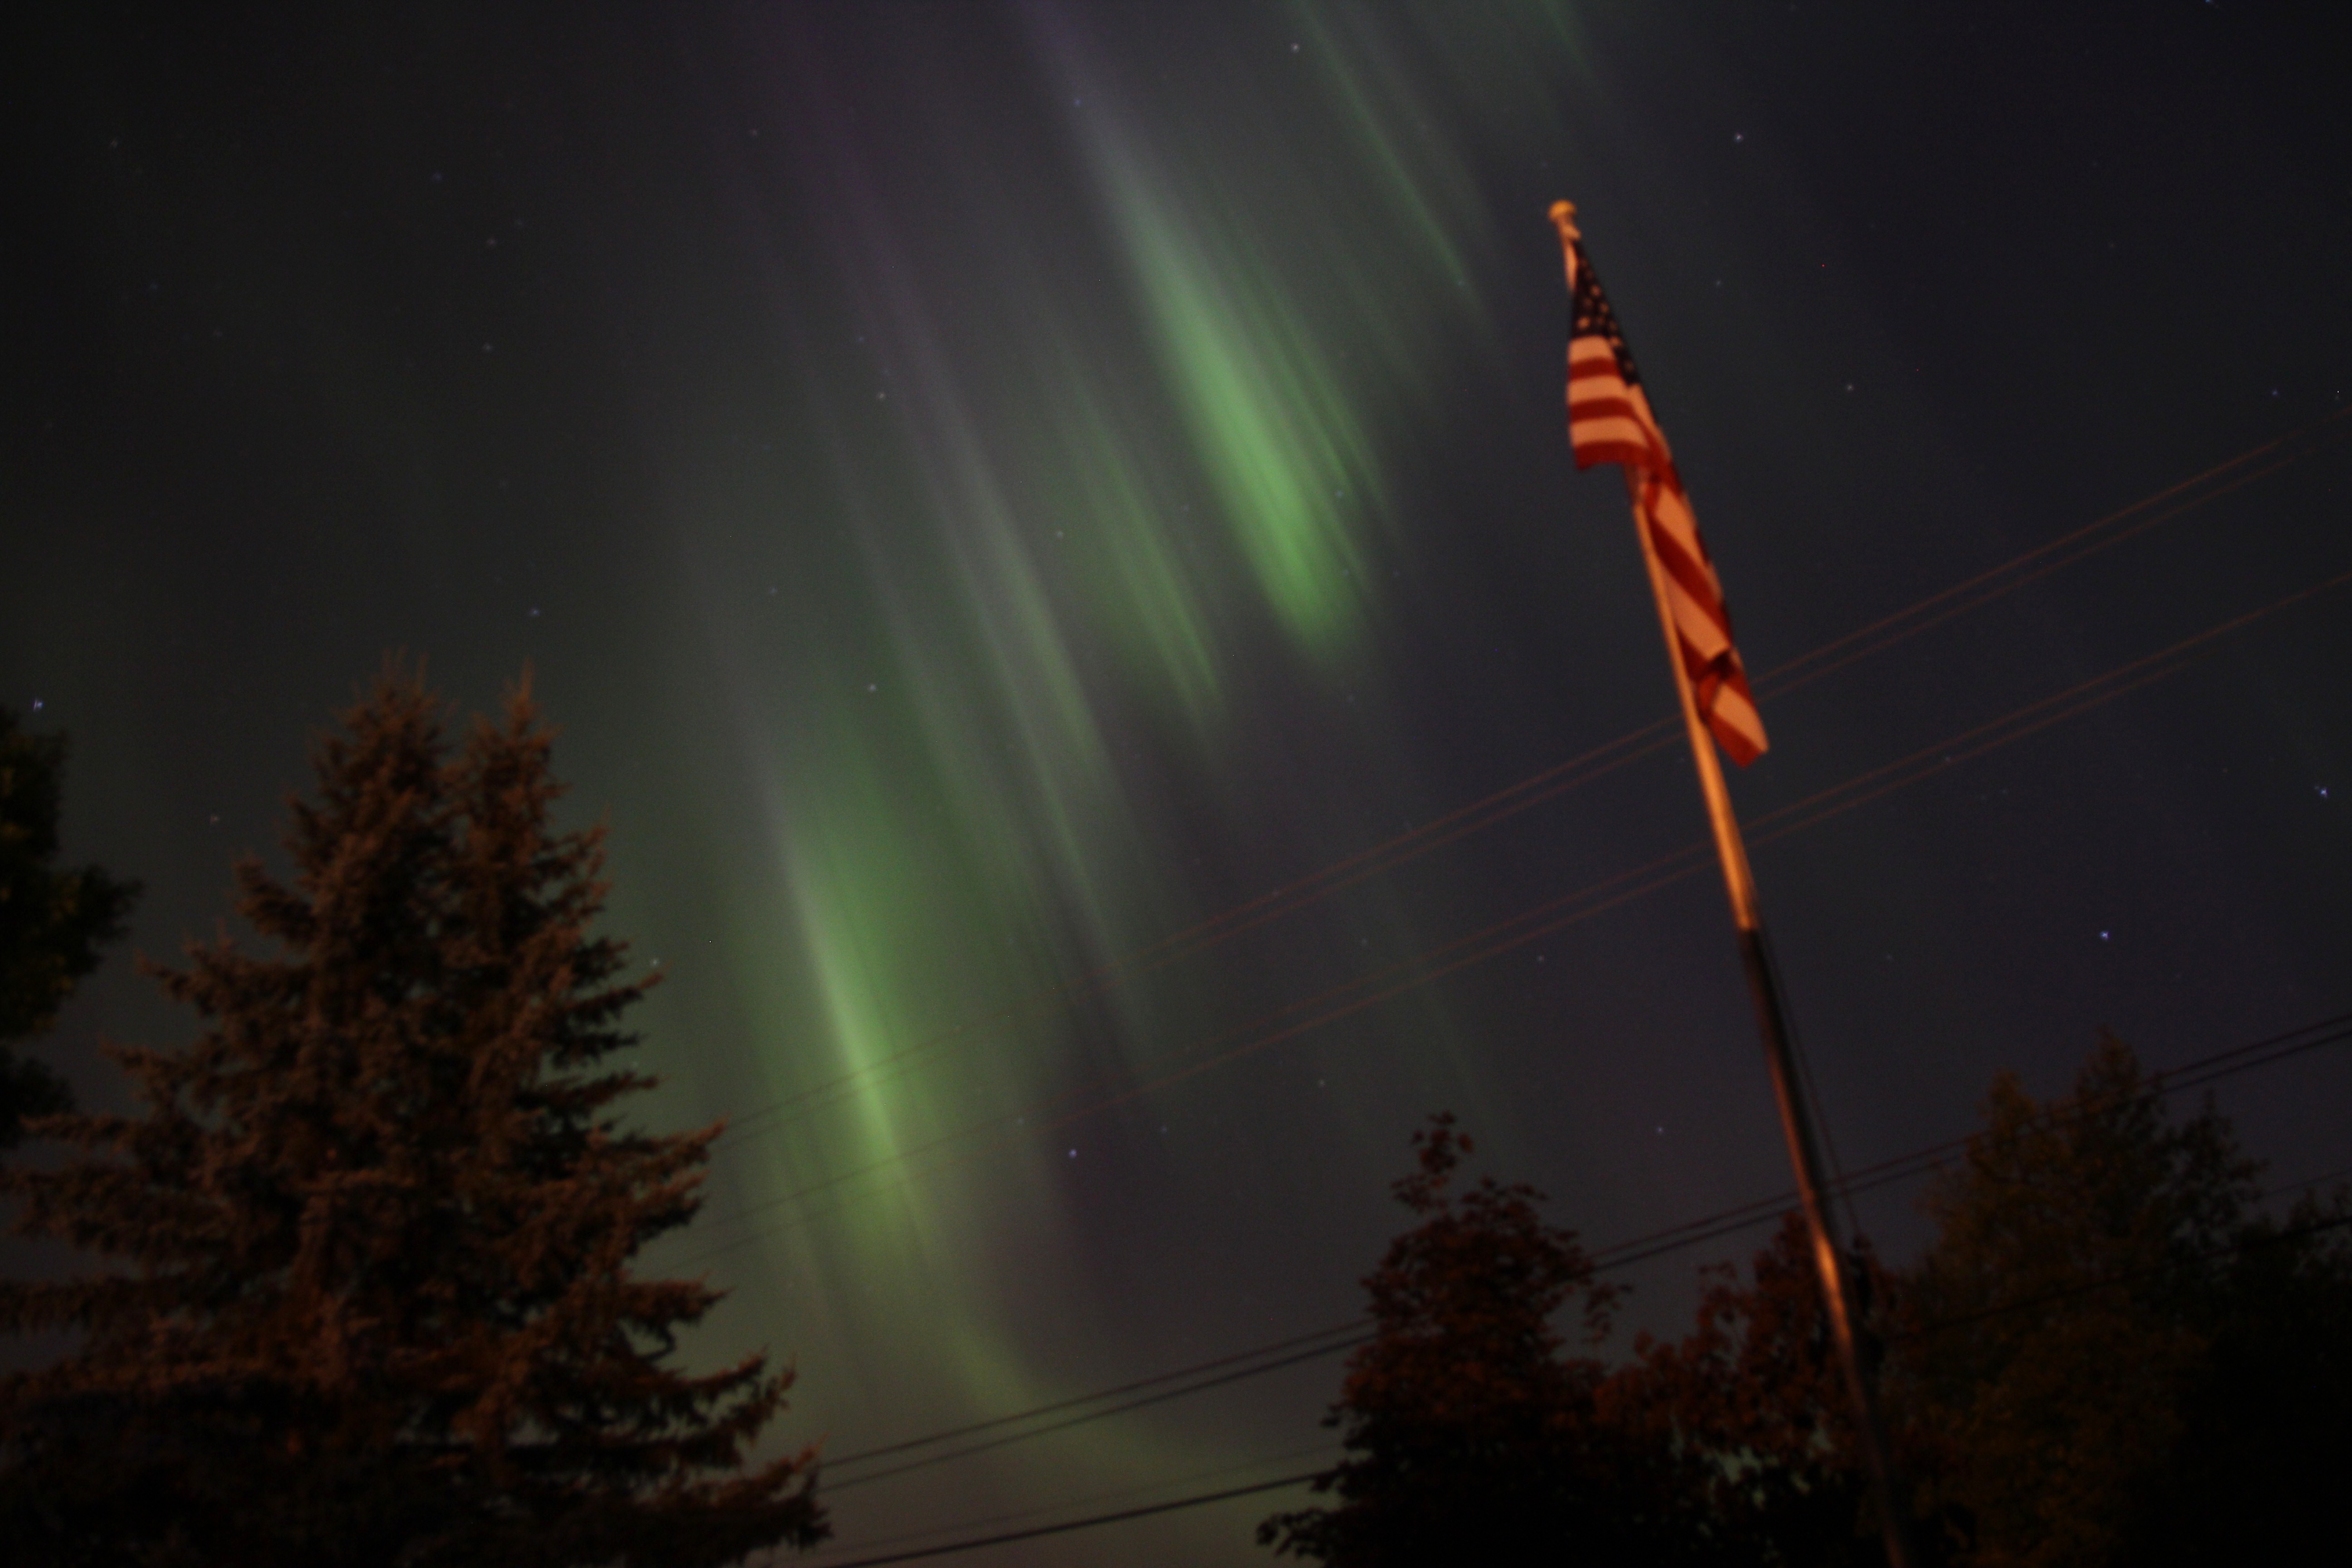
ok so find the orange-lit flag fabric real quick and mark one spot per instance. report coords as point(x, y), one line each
point(1608, 421)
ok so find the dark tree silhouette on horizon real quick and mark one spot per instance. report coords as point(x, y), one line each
point(2109, 1353)
point(53, 921)
point(1755, 1405)
point(368, 1295)
point(1472, 1435)
point(2133, 1361)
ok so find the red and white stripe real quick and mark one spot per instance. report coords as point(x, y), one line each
point(1608, 421)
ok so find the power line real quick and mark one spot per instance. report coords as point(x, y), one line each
point(1393, 979)
point(2015, 725)
point(1323, 1451)
point(1140, 1383)
point(2065, 551)
point(2247, 1244)
point(1972, 592)
point(1066, 1423)
point(1089, 1523)
point(1893, 776)
point(1835, 800)
point(2195, 1073)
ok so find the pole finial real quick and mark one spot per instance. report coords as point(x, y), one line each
point(1564, 218)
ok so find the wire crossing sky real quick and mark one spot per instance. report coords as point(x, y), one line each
point(1050, 533)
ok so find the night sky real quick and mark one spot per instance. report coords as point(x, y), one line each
point(984, 489)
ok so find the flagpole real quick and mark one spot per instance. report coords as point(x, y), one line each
point(1771, 1021)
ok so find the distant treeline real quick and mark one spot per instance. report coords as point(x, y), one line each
point(2114, 1351)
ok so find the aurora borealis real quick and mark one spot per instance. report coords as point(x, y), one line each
point(988, 489)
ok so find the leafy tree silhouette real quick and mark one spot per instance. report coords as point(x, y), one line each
point(1471, 1434)
point(2108, 1354)
point(1755, 1406)
point(2109, 1330)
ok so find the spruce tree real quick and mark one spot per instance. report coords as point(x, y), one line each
point(53, 920)
point(370, 1299)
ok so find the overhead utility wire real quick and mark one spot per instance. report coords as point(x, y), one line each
point(1527, 793)
point(1795, 817)
point(1920, 1161)
point(2093, 537)
point(1100, 1394)
point(1161, 1397)
point(1121, 1516)
point(1553, 915)
point(1667, 869)
point(1325, 1450)
point(1873, 1176)
point(2194, 1074)
point(1358, 1333)
point(2247, 1244)
point(2020, 722)
point(1877, 636)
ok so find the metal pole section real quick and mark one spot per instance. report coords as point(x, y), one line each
point(1771, 1022)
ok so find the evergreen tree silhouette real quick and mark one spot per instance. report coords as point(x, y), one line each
point(370, 1299)
point(53, 921)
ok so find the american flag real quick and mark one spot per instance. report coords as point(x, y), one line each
point(1608, 421)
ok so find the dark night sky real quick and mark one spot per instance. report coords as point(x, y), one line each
point(984, 489)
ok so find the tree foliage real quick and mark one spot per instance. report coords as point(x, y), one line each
point(53, 920)
point(2096, 1310)
point(1755, 1405)
point(2259, 1468)
point(1472, 1433)
point(2108, 1354)
point(372, 1300)
point(2073, 1245)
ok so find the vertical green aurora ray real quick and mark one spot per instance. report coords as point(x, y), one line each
point(949, 826)
point(1275, 426)
point(1074, 538)
point(1300, 290)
